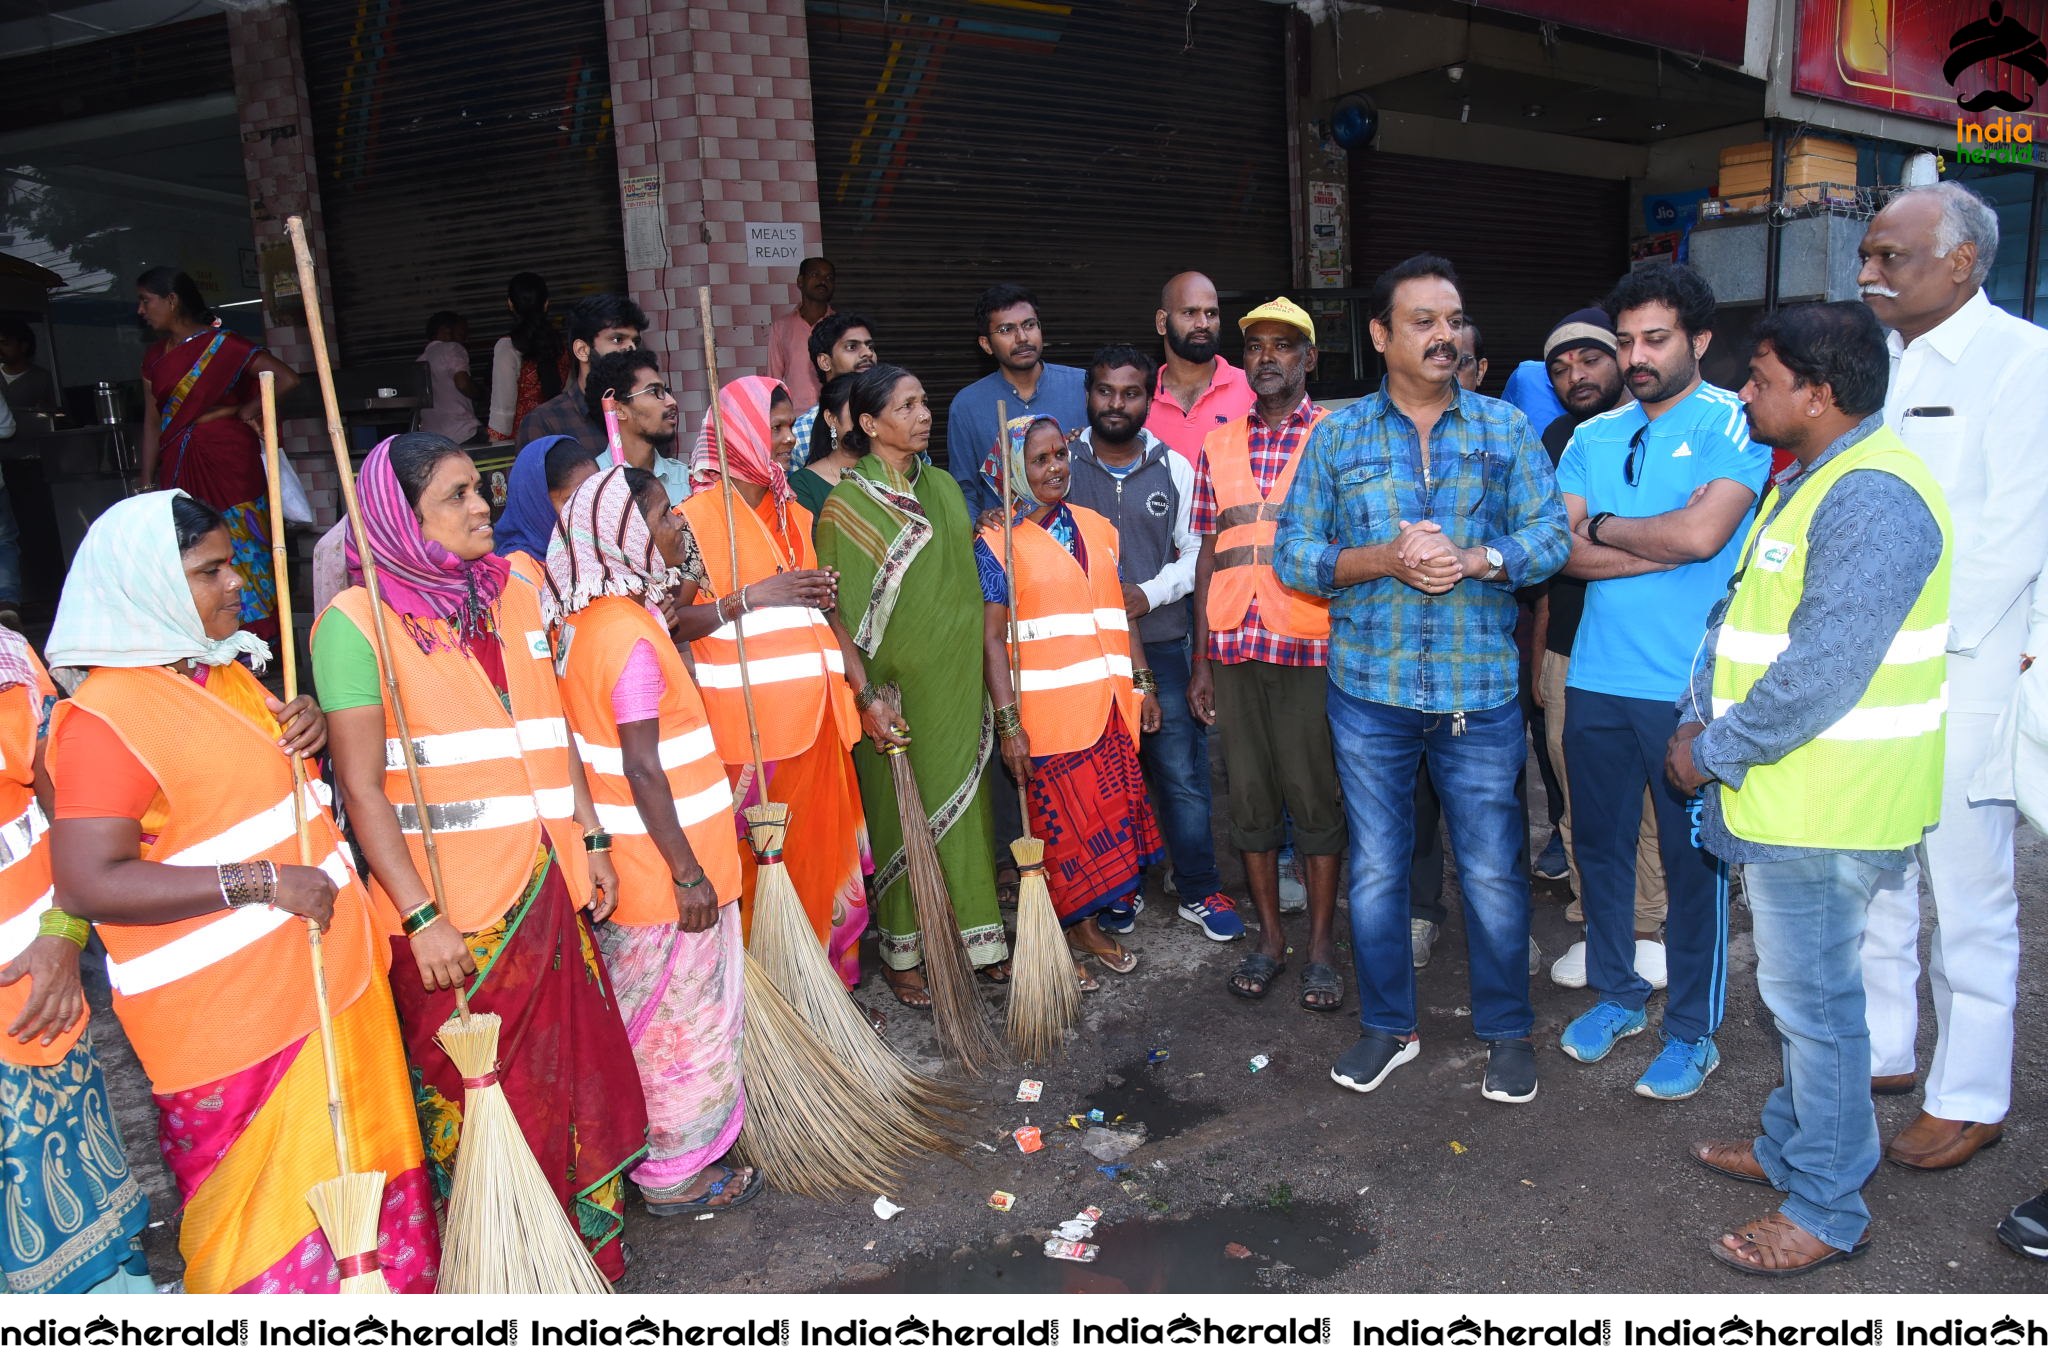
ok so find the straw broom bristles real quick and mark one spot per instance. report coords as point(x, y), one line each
point(513, 1235)
point(505, 1218)
point(818, 1130)
point(347, 1206)
point(787, 950)
point(1044, 998)
point(963, 1032)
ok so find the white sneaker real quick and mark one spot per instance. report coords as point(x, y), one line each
point(1421, 939)
point(1570, 968)
point(1535, 957)
point(1650, 962)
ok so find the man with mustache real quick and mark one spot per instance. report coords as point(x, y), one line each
point(1007, 318)
point(841, 344)
point(1260, 648)
point(1198, 390)
point(1579, 355)
point(1147, 489)
point(1659, 492)
point(648, 413)
point(1969, 395)
point(1418, 511)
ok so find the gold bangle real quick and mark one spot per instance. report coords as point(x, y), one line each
point(62, 924)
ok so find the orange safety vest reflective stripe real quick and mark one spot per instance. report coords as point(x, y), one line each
point(25, 892)
point(493, 780)
point(793, 657)
point(595, 644)
point(1245, 523)
point(1073, 639)
point(203, 998)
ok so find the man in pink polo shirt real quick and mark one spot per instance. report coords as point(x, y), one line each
point(789, 337)
point(1199, 391)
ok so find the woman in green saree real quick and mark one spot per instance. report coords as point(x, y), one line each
point(910, 614)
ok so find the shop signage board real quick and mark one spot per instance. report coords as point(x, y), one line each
point(1711, 28)
point(1977, 65)
point(775, 244)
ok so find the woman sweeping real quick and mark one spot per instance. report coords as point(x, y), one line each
point(543, 476)
point(74, 1212)
point(673, 941)
point(797, 662)
point(198, 436)
point(1071, 738)
point(175, 833)
point(909, 602)
point(512, 821)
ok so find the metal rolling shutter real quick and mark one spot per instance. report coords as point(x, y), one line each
point(459, 142)
point(1529, 246)
point(1076, 149)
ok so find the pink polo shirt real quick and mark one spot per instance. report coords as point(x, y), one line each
point(1228, 398)
point(789, 358)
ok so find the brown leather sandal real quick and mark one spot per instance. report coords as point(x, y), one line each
point(1736, 1160)
point(1781, 1249)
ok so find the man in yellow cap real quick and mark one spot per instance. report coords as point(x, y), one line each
point(1260, 650)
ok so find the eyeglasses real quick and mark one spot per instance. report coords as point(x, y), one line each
point(1631, 470)
point(661, 392)
point(1007, 330)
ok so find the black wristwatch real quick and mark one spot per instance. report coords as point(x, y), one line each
point(1593, 528)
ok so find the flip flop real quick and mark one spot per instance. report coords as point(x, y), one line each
point(1125, 962)
point(1259, 969)
point(664, 1209)
point(897, 990)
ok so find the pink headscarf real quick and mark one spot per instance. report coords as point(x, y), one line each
point(446, 602)
point(749, 441)
point(602, 548)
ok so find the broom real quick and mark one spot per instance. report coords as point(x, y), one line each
point(504, 1230)
point(347, 1206)
point(782, 940)
point(1044, 999)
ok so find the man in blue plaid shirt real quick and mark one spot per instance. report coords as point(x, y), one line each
point(1419, 544)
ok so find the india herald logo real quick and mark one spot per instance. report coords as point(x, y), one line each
point(1991, 40)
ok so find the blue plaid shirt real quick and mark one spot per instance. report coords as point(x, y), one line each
point(1489, 484)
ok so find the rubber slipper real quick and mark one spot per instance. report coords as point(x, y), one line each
point(1122, 964)
point(1259, 969)
point(1321, 978)
point(664, 1209)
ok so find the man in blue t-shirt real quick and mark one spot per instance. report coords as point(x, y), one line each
point(1659, 493)
point(1006, 316)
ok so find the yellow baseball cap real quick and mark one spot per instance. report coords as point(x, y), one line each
point(1281, 310)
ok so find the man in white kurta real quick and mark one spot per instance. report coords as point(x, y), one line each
point(1969, 393)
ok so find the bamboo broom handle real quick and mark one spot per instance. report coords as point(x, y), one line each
point(1010, 582)
point(272, 458)
point(732, 535)
point(309, 297)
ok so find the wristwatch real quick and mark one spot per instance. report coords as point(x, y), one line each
point(1494, 562)
point(1593, 528)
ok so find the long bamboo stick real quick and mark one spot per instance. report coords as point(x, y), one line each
point(1010, 580)
point(732, 534)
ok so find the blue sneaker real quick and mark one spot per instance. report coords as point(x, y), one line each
point(1593, 1036)
point(1217, 915)
point(1551, 863)
point(1680, 1070)
point(1118, 920)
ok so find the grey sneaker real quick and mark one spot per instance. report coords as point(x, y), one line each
point(1510, 1071)
point(1421, 939)
point(1293, 892)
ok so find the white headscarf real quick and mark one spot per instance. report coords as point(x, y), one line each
point(126, 600)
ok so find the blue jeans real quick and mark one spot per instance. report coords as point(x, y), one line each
point(1819, 1141)
point(1176, 761)
point(10, 550)
point(1613, 746)
point(1378, 751)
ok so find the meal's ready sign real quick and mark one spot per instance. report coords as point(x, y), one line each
point(775, 244)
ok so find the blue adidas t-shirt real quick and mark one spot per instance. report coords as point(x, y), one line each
point(1639, 636)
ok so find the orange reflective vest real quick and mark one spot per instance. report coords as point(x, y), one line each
point(25, 892)
point(203, 998)
point(494, 780)
point(1245, 522)
point(595, 644)
point(793, 658)
point(1073, 639)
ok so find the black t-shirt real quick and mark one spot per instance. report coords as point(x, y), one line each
point(1567, 595)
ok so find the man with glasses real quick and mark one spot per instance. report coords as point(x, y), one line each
point(647, 417)
point(1006, 316)
point(1659, 493)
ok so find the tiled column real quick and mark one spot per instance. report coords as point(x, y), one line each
point(277, 160)
point(716, 98)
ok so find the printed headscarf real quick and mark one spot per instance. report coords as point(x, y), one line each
point(528, 522)
point(127, 602)
point(446, 602)
point(603, 549)
point(744, 405)
point(1010, 444)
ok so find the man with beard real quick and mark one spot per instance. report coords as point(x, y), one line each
point(1658, 492)
point(842, 344)
point(1419, 511)
point(1147, 490)
point(647, 417)
point(599, 324)
point(1812, 728)
point(1023, 381)
point(1259, 653)
point(788, 359)
point(1198, 391)
point(1587, 380)
point(1969, 395)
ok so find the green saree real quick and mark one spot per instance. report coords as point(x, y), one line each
point(910, 598)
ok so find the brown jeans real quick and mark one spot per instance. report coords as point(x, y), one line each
point(1650, 895)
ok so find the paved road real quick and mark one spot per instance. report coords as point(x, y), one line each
point(1421, 1186)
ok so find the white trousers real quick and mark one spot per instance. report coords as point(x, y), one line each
point(1973, 966)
